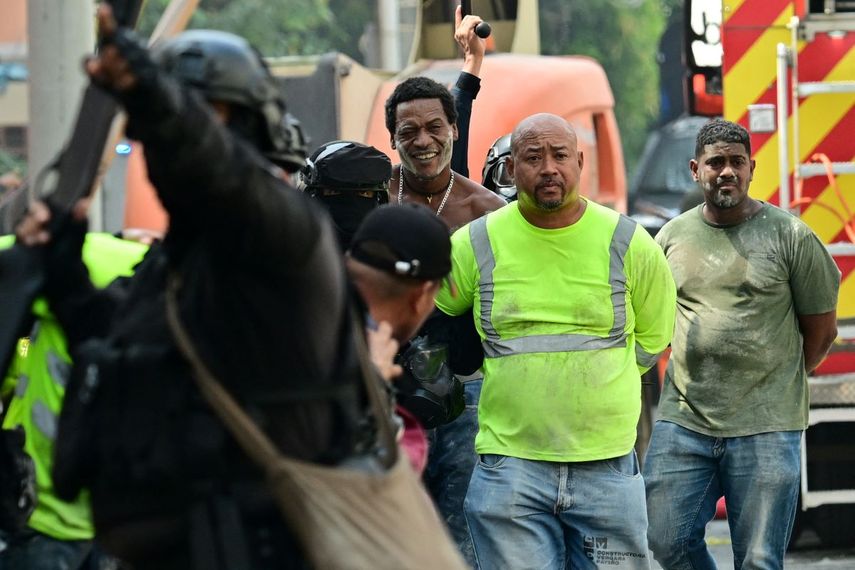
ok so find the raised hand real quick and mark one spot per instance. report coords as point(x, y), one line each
point(473, 47)
point(109, 68)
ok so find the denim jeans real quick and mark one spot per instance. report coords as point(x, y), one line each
point(540, 514)
point(450, 463)
point(687, 472)
point(36, 551)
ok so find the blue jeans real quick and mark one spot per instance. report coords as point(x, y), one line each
point(450, 463)
point(687, 472)
point(540, 514)
point(36, 551)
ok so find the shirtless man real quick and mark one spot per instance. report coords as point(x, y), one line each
point(421, 119)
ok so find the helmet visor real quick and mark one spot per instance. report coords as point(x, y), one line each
point(501, 177)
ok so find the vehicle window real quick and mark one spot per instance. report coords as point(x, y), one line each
point(667, 167)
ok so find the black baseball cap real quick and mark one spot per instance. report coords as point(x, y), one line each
point(407, 240)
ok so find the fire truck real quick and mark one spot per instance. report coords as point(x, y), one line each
point(785, 70)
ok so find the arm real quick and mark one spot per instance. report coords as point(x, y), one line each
point(468, 84)
point(473, 46)
point(818, 332)
point(814, 283)
point(463, 274)
point(204, 174)
point(465, 354)
point(653, 297)
point(196, 164)
point(81, 309)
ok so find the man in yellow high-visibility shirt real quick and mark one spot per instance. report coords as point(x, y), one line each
point(572, 301)
point(59, 534)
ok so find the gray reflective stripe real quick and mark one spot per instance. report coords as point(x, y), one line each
point(551, 343)
point(486, 264)
point(58, 368)
point(45, 420)
point(21, 386)
point(644, 358)
point(495, 347)
point(617, 277)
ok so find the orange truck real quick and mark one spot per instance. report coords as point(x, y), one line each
point(575, 88)
point(785, 70)
point(336, 98)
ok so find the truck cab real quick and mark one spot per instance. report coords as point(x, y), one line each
point(572, 87)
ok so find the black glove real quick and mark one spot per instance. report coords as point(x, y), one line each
point(135, 52)
point(65, 271)
point(154, 95)
point(17, 481)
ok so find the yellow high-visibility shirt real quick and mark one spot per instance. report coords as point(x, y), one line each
point(569, 318)
point(40, 378)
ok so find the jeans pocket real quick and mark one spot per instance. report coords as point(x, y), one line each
point(625, 465)
point(491, 460)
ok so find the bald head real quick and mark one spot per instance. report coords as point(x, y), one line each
point(546, 165)
point(531, 129)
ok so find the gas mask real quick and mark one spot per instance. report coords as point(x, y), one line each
point(427, 388)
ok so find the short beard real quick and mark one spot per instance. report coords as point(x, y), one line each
point(723, 201)
point(550, 205)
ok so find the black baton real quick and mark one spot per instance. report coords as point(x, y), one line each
point(483, 29)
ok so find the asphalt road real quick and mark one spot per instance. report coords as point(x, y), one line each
point(806, 555)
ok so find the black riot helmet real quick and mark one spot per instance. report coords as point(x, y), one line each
point(226, 68)
point(495, 175)
point(292, 158)
point(350, 179)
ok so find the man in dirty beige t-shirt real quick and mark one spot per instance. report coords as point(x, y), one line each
point(756, 298)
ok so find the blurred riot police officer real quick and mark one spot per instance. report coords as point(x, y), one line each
point(260, 289)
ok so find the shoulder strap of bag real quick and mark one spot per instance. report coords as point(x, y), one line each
point(249, 436)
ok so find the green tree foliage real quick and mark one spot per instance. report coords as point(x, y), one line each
point(623, 35)
point(280, 27)
point(11, 163)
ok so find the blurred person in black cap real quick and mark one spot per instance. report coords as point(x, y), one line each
point(349, 178)
point(396, 262)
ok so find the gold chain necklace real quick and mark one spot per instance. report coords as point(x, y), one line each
point(429, 196)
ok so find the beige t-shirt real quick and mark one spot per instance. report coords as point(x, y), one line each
point(737, 366)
